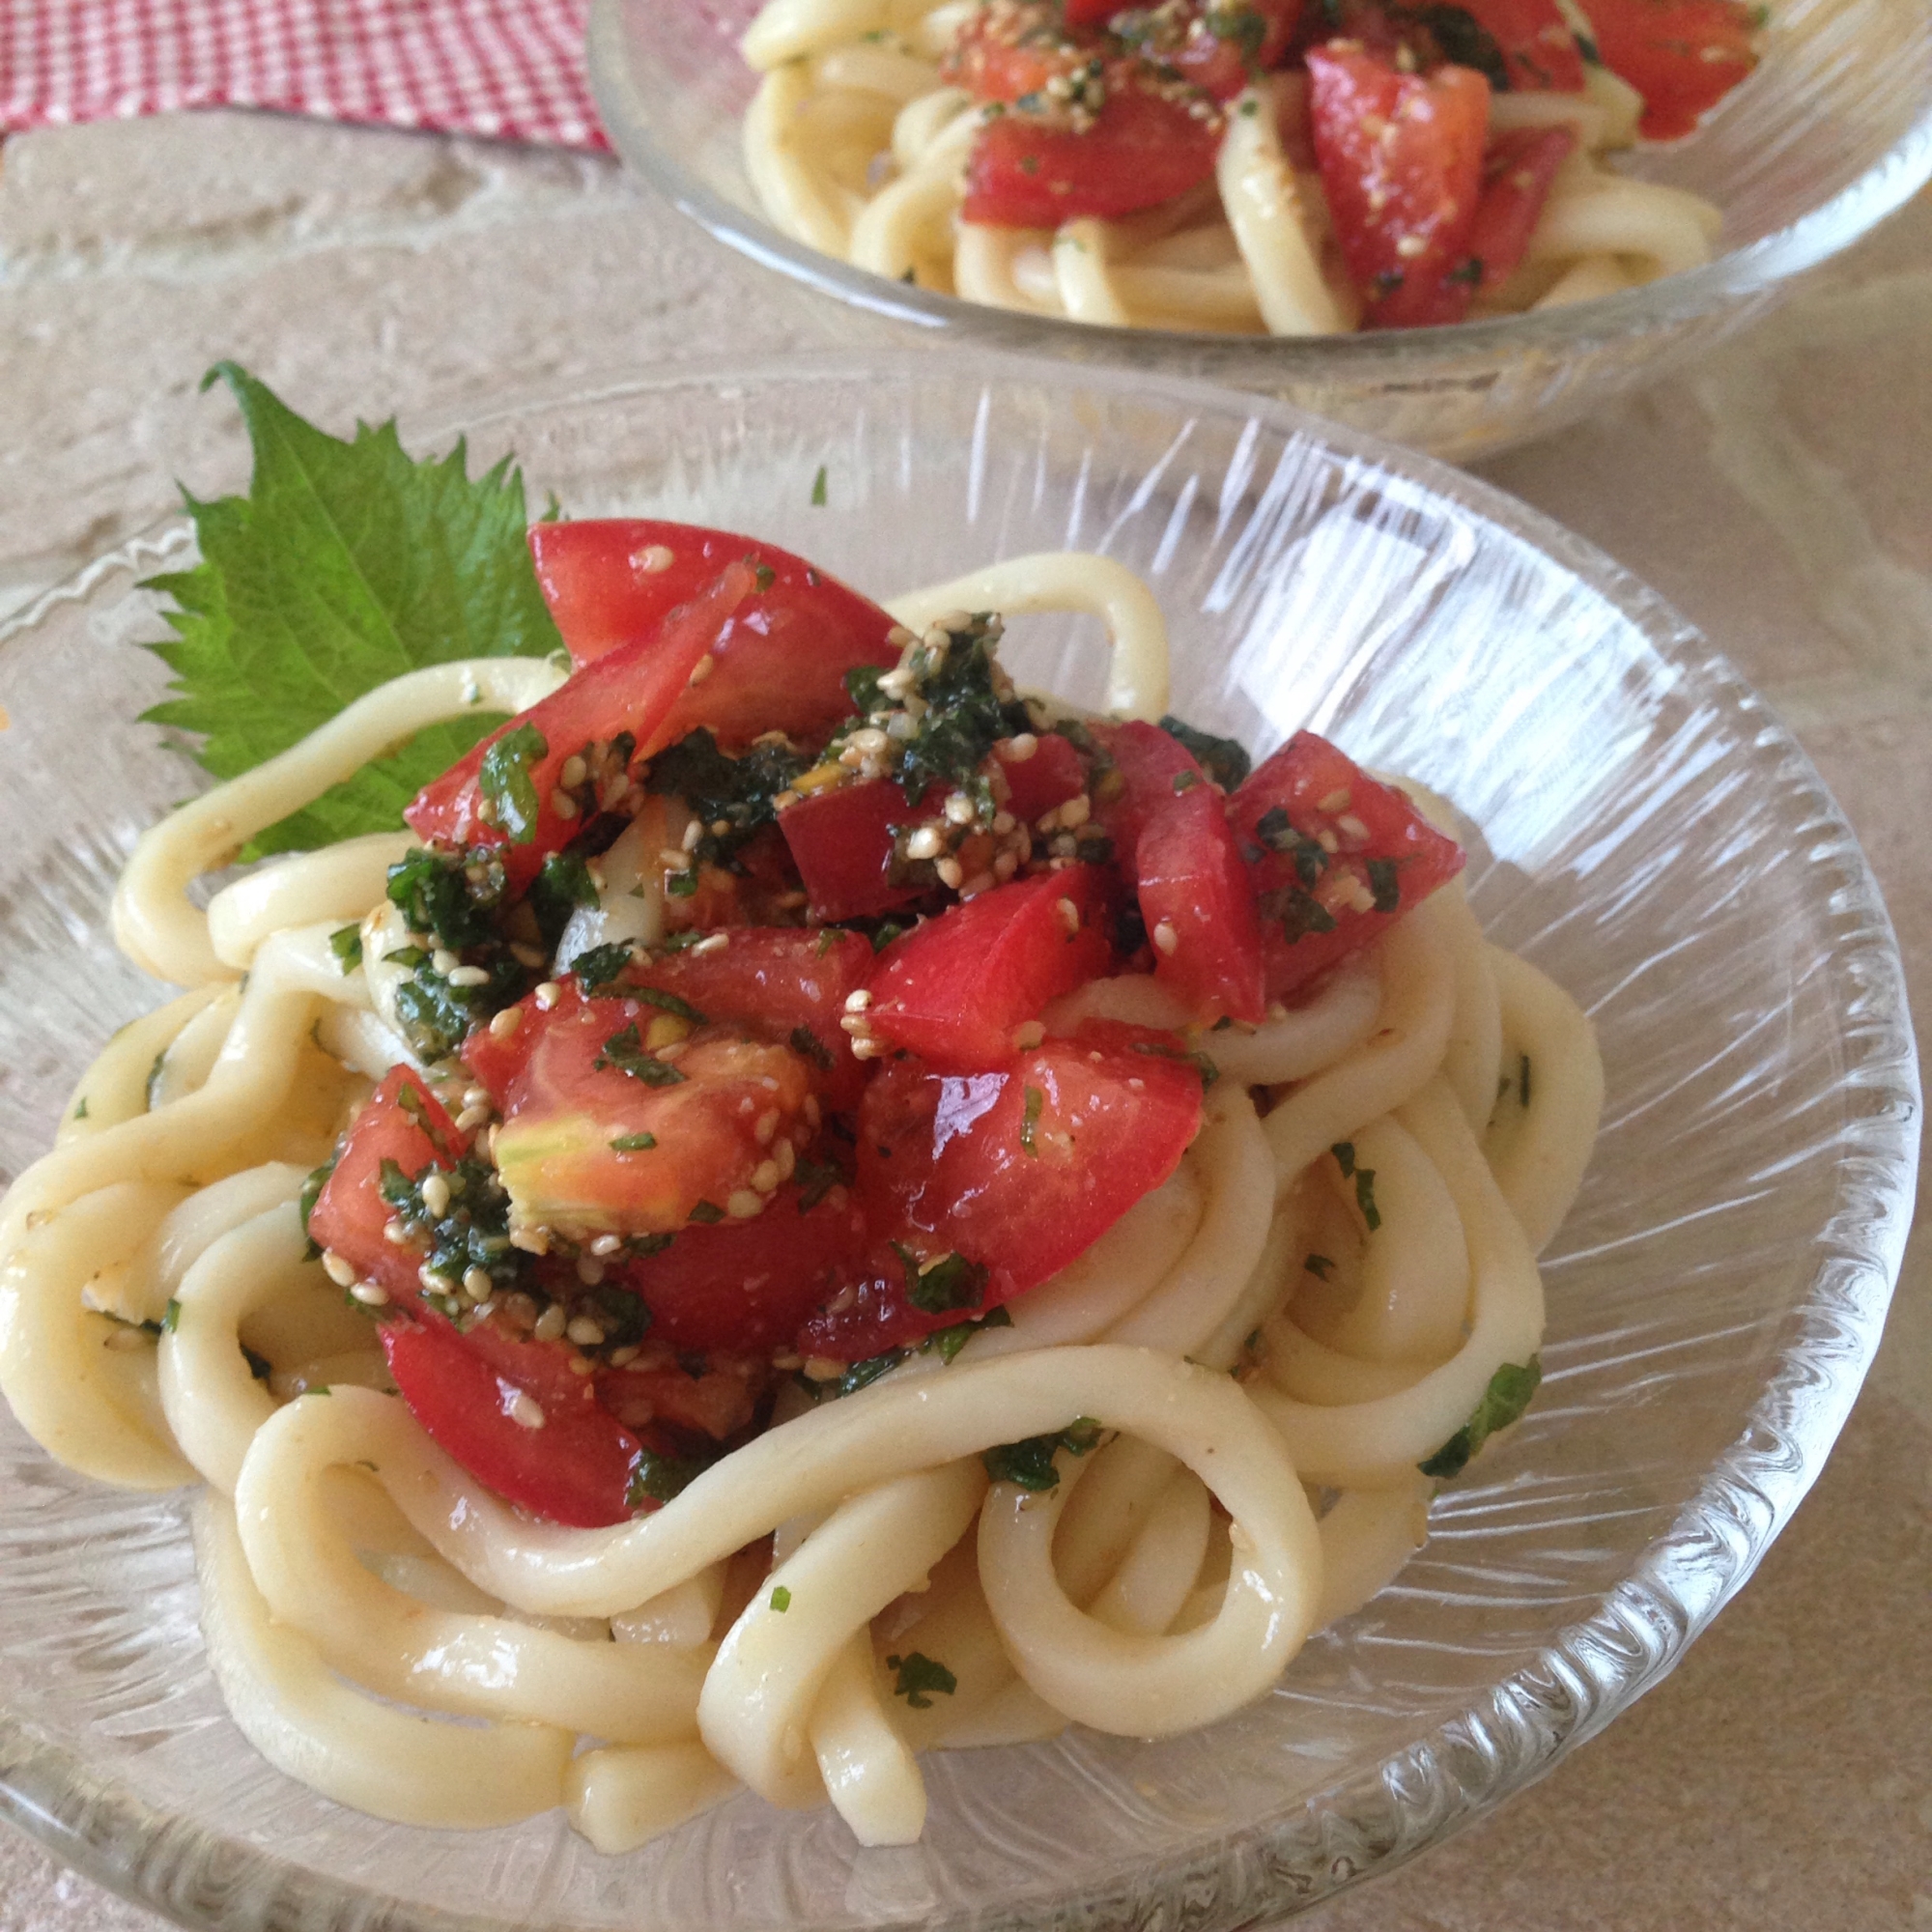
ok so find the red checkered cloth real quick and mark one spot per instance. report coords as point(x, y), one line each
point(510, 70)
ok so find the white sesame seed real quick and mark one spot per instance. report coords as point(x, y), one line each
point(1029, 1034)
point(472, 1118)
point(574, 771)
point(549, 1326)
point(765, 1175)
point(622, 1358)
point(466, 975)
point(1069, 914)
point(702, 668)
point(369, 1294)
point(548, 995)
point(581, 1365)
point(1048, 821)
point(562, 804)
point(1166, 940)
point(532, 1241)
point(927, 841)
point(961, 810)
point(899, 636)
point(902, 724)
point(1005, 866)
point(437, 1284)
point(1334, 800)
point(524, 1409)
point(341, 1273)
point(395, 1233)
point(951, 872)
point(606, 1244)
point(1351, 827)
point(742, 1202)
point(858, 1002)
point(584, 1332)
point(1020, 748)
point(503, 1025)
point(787, 1159)
point(590, 1270)
point(980, 882)
point(1076, 811)
point(436, 1194)
point(653, 560)
point(767, 1125)
point(715, 942)
point(812, 1113)
point(674, 859)
point(444, 961)
point(477, 1284)
point(532, 956)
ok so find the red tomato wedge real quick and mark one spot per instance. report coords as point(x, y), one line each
point(1171, 838)
point(778, 664)
point(403, 1122)
point(955, 990)
point(747, 1285)
point(841, 842)
point(1400, 156)
point(1316, 905)
point(567, 1458)
point(1049, 776)
point(1141, 149)
point(778, 983)
point(1517, 176)
point(599, 1133)
point(1198, 907)
point(507, 797)
point(1683, 56)
point(1235, 43)
point(1089, 12)
point(1540, 52)
point(1016, 1172)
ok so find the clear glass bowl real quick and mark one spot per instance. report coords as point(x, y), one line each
point(1830, 135)
point(1642, 829)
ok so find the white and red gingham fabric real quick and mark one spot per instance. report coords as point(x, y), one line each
point(509, 70)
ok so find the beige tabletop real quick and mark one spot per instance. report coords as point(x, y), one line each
point(1781, 495)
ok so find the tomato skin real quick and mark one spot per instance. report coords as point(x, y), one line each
point(1403, 207)
point(1321, 789)
point(772, 981)
point(841, 842)
point(955, 990)
point(633, 688)
point(746, 1286)
point(1193, 885)
point(574, 1468)
point(561, 1112)
point(943, 1167)
point(1517, 176)
point(1049, 778)
point(778, 664)
point(1683, 56)
point(1146, 762)
point(350, 1212)
point(1224, 65)
point(1140, 151)
point(1539, 50)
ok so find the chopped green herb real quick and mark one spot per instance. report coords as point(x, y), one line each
point(1523, 1080)
point(601, 965)
point(1365, 1183)
point(505, 783)
point(917, 1675)
point(311, 1193)
point(1469, 272)
point(1383, 886)
point(735, 792)
point(1274, 829)
point(888, 930)
point(473, 1229)
point(1029, 1120)
point(259, 1365)
point(1028, 1462)
point(171, 1316)
point(346, 943)
point(1186, 781)
point(1301, 914)
point(450, 895)
point(946, 1343)
point(80, 1111)
point(1503, 1403)
point(1201, 1063)
point(707, 1213)
point(819, 489)
point(1464, 41)
point(817, 1178)
point(634, 1143)
point(682, 885)
point(657, 1478)
point(154, 1081)
point(763, 573)
point(781, 1597)
point(1225, 761)
point(668, 1003)
point(625, 1052)
point(1319, 1266)
point(949, 1282)
point(563, 884)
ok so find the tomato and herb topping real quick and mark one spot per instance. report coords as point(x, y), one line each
point(736, 1063)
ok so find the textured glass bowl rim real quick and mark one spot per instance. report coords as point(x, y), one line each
point(1518, 1728)
point(1401, 356)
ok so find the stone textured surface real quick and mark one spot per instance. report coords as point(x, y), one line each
point(1781, 495)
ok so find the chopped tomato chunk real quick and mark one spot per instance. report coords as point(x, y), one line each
point(990, 1182)
point(1142, 148)
point(1234, 42)
point(1539, 51)
point(1198, 908)
point(747, 1285)
point(1683, 56)
point(1517, 176)
point(1400, 156)
point(401, 1121)
point(506, 792)
point(778, 662)
point(954, 990)
point(601, 1133)
point(1049, 775)
point(534, 1433)
point(842, 842)
point(1335, 857)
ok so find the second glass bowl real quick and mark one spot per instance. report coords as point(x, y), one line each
point(1830, 135)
